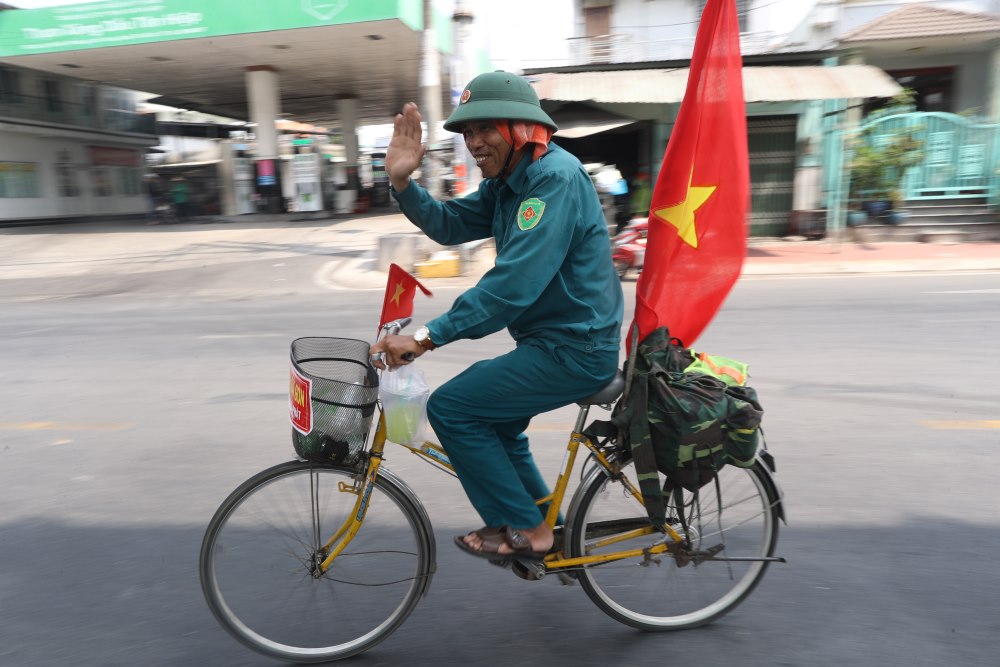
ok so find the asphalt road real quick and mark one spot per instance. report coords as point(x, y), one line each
point(132, 405)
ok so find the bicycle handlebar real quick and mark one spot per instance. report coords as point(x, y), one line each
point(393, 328)
point(396, 326)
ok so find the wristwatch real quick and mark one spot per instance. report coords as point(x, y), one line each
point(423, 338)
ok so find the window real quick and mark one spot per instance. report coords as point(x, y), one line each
point(102, 182)
point(597, 20)
point(741, 11)
point(933, 89)
point(52, 96)
point(10, 85)
point(66, 182)
point(128, 181)
point(18, 179)
point(87, 98)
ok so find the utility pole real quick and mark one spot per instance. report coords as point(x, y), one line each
point(430, 88)
point(464, 70)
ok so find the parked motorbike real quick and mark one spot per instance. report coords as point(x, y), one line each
point(628, 247)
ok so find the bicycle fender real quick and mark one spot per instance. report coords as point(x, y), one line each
point(766, 464)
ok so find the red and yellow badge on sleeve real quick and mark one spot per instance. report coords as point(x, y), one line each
point(530, 213)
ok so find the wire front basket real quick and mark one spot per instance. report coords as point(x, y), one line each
point(332, 394)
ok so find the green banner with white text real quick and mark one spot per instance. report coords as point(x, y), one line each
point(123, 22)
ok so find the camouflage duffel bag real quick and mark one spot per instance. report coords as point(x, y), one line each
point(685, 415)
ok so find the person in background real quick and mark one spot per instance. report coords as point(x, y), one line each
point(180, 195)
point(641, 195)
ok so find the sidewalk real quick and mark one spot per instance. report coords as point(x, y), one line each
point(776, 257)
point(133, 246)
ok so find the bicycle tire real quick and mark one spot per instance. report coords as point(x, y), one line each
point(666, 596)
point(257, 554)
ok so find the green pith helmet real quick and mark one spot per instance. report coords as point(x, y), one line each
point(498, 95)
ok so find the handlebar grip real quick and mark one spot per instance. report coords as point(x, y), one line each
point(397, 325)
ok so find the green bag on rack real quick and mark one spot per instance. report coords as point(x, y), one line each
point(685, 415)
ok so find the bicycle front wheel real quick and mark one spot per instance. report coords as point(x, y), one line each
point(660, 592)
point(260, 552)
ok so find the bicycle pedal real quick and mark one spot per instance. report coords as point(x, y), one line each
point(528, 570)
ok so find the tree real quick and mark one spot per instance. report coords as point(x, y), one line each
point(880, 163)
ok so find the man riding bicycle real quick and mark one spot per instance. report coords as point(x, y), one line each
point(553, 286)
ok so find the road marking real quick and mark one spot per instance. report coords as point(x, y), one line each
point(228, 336)
point(58, 426)
point(870, 274)
point(957, 425)
point(32, 332)
point(967, 291)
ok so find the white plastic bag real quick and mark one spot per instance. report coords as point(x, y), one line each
point(404, 396)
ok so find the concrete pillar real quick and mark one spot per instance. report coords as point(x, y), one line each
point(347, 113)
point(264, 101)
point(265, 107)
point(854, 110)
point(227, 173)
point(430, 88)
point(852, 116)
point(993, 101)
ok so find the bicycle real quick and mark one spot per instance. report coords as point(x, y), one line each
point(321, 558)
point(163, 213)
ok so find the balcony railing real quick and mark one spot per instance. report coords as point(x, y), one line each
point(632, 48)
point(71, 114)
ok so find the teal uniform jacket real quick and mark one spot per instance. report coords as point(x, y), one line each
point(553, 279)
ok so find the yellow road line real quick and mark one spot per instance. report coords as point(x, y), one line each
point(58, 426)
point(956, 425)
point(547, 428)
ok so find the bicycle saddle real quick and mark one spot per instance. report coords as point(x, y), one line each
point(607, 395)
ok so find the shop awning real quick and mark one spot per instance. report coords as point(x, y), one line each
point(577, 129)
point(180, 166)
point(760, 84)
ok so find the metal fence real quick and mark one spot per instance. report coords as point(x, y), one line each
point(960, 156)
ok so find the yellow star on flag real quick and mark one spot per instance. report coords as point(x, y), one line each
point(399, 291)
point(681, 215)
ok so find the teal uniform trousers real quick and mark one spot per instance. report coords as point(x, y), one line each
point(481, 414)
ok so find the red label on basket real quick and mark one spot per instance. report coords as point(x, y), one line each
point(300, 402)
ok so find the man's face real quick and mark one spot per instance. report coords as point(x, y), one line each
point(487, 146)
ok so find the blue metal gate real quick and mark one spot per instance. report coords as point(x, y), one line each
point(961, 157)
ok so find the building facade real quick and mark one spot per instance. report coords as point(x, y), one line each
point(70, 147)
point(811, 69)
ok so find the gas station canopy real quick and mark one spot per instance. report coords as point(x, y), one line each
point(194, 53)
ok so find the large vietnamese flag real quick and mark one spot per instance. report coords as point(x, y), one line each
point(697, 221)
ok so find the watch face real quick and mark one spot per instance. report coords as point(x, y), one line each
point(421, 334)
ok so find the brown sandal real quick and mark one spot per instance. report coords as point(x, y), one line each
point(494, 538)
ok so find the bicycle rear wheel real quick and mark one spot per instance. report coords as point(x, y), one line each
point(260, 550)
point(665, 595)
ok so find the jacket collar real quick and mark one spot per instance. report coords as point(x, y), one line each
point(519, 176)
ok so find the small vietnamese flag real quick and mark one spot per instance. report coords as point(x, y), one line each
point(399, 292)
point(697, 222)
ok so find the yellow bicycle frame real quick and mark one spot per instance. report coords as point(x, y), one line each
point(365, 484)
